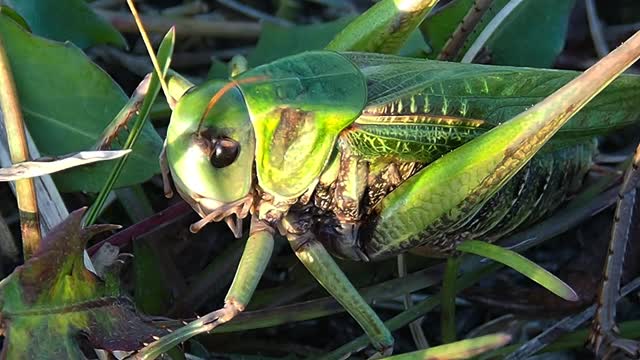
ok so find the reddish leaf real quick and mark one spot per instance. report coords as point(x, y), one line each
point(52, 303)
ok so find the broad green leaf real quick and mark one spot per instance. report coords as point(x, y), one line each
point(533, 34)
point(15, 17)
point(522, 265)
point(278, 41)
point(219, 69)
point(67, 20)
point(52, 303)
point(67, 101)
point(151, 293)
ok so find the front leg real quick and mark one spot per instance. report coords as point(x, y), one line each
point(350, 185)
point(253, 262)
point(325, 270)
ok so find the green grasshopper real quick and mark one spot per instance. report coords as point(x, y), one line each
point(365, 156)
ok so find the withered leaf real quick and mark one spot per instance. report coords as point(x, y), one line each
point(52, 307)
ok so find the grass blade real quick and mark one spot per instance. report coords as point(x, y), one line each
point(463, 349)
point(413, 313)
point(30, 169)
point(522, 265)
point(448, 313)
point(165, 51)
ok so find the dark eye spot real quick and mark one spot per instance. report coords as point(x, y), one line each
point(225, 151)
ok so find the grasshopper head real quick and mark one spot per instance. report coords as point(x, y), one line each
point(211, 151)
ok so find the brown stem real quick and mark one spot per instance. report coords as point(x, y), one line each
point(603, 333)
point(25, 189)
point(184, 26)
point(151, 223)
point(452, 48)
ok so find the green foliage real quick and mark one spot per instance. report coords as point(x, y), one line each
point(67, 101)
point(67, 20)
point(463, 349)
point(533, 34)
point(165, 52)
point(278, 41)
point(52, 303)
point(15, 17)
point(521, 264)
point(151, 294)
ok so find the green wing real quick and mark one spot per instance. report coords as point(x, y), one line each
point(418, 110)
point(298, 106)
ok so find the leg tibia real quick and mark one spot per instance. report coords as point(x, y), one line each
point(252, 264)
point(254, 261)
point(324, 269)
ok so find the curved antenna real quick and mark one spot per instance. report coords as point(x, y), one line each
point(152, 54)
point(228, 86)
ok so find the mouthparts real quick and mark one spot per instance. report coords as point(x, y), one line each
point(215, 211)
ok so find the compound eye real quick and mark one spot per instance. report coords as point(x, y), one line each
point(225, 151)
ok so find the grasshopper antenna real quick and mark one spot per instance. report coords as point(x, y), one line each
point(145, 38)
point(230, 85)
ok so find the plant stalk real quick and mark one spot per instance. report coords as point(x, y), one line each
point(25, 189)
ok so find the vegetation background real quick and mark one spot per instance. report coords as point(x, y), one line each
point(176, 274)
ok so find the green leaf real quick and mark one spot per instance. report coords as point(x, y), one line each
point(165, 52)
point(15, 17)
point(67, 20)
point(151, 293)
point(448, 304)
point(52, 303)
point(278, 41)
point(67, 101)
point(219, 69)
point(522, 265)
point(532, 35)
